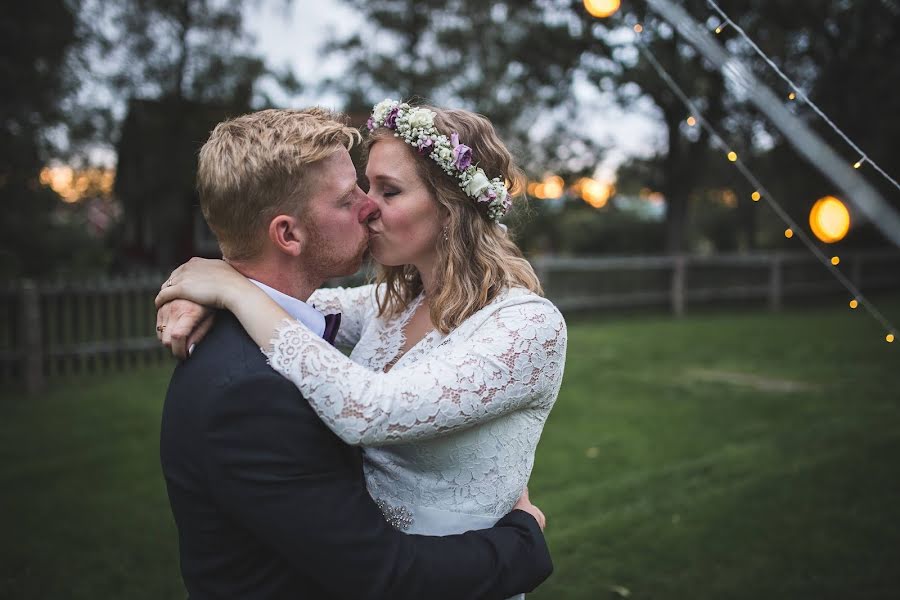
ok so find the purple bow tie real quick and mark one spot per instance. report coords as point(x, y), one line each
point(332, 322)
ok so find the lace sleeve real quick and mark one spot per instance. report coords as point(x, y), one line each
point(514, 359)
point(355, 305)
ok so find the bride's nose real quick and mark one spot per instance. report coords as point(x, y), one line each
point(368, 210)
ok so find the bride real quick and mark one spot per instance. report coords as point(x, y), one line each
point(457, 358)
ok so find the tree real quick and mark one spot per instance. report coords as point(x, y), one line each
point(500, 58)
point(177, 50)
point(35, 39)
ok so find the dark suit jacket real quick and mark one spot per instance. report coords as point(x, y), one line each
point(270, 504)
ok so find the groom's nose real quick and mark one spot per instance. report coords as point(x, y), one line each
point(368, 210)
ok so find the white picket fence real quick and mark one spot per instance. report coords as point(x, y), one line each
point(52, 329)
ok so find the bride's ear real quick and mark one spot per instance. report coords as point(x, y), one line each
point(287, 235)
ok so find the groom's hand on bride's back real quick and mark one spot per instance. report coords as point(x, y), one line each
point(181, 324)
point(524, 503)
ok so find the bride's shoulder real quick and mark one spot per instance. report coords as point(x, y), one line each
point(520, 302)
point(344, 299)
point(521, 296)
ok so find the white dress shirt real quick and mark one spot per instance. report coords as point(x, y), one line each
point(297, 309)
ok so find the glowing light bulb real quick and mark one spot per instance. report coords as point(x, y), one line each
point(788, 233)
point(889, 338)
point(854, 303)
point(858, 163)
point(602, 8)
point(829, 219)
point(732, 156)
point(756, 196)
point(638, 28)
point(792, 96)
point(691, 121)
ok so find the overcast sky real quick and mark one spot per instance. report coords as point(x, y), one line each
point(293, 35)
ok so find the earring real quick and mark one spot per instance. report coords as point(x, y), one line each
point(446, 234)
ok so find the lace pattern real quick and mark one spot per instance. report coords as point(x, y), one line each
point(356, 305)
point(455, 423)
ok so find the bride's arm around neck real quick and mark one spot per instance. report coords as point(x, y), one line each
point(507, 357)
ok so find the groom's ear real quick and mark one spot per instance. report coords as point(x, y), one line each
point(287, 235)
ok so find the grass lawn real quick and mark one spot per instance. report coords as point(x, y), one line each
point(739, 455)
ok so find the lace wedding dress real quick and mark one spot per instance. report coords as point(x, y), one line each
point(450, 430)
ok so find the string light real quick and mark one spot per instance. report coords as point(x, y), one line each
point(805, 98)
point(638, 28)
point(835, 260)
point(889, 338)
point(732, 156)
point(691, 121)
point(754, 181)
point(859, 163)
point(755, 196)
point(721, 27)
point(854, 304)
point(792, 96)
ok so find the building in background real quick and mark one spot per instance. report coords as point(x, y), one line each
point(162, 224)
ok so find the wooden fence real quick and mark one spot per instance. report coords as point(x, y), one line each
point(62, 328)
point(677, 282)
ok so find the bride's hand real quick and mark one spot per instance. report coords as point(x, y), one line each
point(181, 324)
point(525, 504)
point(212, 283)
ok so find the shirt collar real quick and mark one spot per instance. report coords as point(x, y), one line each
point(298, 309)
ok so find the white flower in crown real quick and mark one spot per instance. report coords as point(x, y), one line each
point(416, 127)
point(420, 118)
point(477, 184)
point(382, 109)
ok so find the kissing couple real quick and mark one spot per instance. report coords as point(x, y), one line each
point(397, 472)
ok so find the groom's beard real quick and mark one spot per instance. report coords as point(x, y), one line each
point(333, 258)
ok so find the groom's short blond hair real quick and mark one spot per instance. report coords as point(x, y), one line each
point(257, 166)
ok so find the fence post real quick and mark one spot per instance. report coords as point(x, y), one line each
point(32, 353)
point(679, 284)
point(776, 284)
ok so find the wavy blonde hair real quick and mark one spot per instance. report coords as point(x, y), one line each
point(477, 260)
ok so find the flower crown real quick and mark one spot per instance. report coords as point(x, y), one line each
point(415, 126)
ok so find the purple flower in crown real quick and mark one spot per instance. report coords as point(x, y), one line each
point(425, 146)
point(370, 124)
point(391, 120)
point(462, 154)
point(488, 196)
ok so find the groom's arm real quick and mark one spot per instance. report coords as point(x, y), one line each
point(283, 475)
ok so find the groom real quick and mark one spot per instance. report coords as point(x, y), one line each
point(269, 503)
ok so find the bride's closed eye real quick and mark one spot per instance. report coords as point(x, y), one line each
point(385, 191)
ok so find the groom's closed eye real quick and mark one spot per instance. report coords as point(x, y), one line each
point(346, 199)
